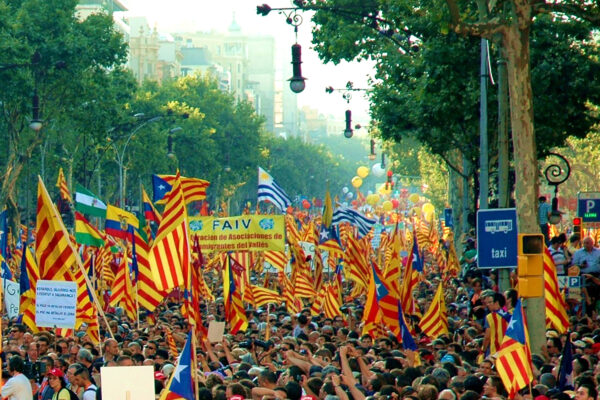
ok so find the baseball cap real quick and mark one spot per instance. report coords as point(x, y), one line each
point(56, 372)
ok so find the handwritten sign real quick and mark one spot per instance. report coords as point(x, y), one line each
point(12, 295)
point(56, 303)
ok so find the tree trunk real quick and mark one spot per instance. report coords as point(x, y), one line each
point(526, 167)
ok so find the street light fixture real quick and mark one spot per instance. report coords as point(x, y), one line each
point(293, 18)
point(555, 175)
point(347, 95)
point(121, 155)
point(170, 152)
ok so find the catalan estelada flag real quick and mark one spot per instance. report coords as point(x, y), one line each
point(54, 252)
point(194, 189)
point(170, 256)
point(514, 356)
point(181, 385)
point(119, 222)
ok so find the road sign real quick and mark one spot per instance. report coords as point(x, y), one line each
point(448, 218)
point(572, 286)
point(497, 238)
point(588, 206)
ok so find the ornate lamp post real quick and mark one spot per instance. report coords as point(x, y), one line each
point(556, 174)
point(293, 18)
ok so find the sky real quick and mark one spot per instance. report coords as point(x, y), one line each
point(201, 15)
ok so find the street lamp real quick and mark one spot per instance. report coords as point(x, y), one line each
point(556, 174)
point(120, 156)
point(347, 95)
point(297, 81)
point(170, 152)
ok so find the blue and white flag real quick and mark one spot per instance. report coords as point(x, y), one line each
point(345, 214)
point(270, 191)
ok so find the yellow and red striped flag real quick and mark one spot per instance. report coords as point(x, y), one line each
point(61, 184)
point(514, 356)
point(171, 343)
point(435, 321)
point(53, 250)
point(289, 294)
point(260, 296)
point(148, 295)
point(355, 258)
point(194, 189)
point(170, 255)
point(122, 290)
point(234, 307)
point(277, 259)
point(27, 306)
point(556, 307)
point(331, 305)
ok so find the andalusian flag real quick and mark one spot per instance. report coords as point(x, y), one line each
point(86, 233)
point(88, 203)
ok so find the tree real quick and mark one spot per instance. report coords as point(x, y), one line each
point(48, 54)
point(433, 94)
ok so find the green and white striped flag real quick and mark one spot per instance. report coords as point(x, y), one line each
point(86, 202)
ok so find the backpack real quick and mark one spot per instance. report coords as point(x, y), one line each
point(72, 395)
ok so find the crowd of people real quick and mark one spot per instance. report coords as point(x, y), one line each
point(284, 355)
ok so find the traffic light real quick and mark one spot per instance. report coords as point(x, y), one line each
point(530, 259)
point(577, 226)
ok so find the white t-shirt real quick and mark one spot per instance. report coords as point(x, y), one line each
point(17, 388)
point(90, 393)
point(558, 256)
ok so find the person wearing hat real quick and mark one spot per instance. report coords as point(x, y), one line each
point(18, 386)
point(56, 380)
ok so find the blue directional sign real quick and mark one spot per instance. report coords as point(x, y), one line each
point(497, 238)
point(588, 206)
point(448, 218)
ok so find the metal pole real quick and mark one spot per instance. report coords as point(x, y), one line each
point(483, 132)
point(120, 184)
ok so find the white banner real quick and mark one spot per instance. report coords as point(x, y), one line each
point(12, 296)
point(56, 304)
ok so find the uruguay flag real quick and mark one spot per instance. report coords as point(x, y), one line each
point(270, 191)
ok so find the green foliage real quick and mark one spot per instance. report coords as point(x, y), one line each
point(433, 94)
point(72, 65)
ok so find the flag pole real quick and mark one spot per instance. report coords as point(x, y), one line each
point(195, 360)
point(79, 262)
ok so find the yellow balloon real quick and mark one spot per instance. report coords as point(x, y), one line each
point(428, 216)
point(362, 172)
point(374, 199)
point(414, 197)
point(356, 182)
point(416, 211)
point(387, 205)
point(428, 208)
point(383, 191)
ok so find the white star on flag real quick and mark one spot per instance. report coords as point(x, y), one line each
point(179, 370)
point(324, 235)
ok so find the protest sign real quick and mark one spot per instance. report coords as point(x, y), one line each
point(56, 304)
